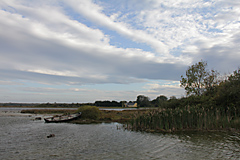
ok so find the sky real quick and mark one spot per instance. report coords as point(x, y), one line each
point(87, 50)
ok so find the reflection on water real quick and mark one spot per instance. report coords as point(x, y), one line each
point(23, 138)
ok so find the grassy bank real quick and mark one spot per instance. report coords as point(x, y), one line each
point(92, 114)
point(157, 120)
point(108, 116)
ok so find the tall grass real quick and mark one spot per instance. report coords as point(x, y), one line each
point(187, 118)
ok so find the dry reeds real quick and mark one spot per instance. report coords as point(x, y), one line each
point(187, 118)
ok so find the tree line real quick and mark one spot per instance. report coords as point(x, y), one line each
point(210, 103)
point(202, 87)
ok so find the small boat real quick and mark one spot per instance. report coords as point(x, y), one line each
point(63, 118)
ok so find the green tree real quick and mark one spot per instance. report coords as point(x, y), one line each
point(162, 98)
point(198, 79)
point(143, 101)
point(160, 101)
point(228, 92)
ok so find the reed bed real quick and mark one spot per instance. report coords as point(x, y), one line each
point(186, 118)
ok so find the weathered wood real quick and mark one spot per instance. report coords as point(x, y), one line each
point(58, 119)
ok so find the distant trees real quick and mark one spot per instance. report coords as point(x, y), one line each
point(108, 104)
point(198, 79)
point(160, 101)
point(143, 101)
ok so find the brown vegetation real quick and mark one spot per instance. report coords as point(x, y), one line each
point(106, 116)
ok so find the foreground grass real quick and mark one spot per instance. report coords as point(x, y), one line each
point(187, 118)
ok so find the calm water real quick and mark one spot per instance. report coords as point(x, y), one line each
point(24, 138)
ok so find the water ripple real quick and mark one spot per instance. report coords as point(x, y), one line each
point(23, 138)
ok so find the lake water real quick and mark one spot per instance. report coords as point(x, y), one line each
point(24, 138)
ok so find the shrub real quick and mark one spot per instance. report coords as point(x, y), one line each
point(89, 112)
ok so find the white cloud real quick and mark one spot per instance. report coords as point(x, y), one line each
point(167, 88)
point(10, 83)
point(66, 42)
point(72, 50)
point(94, 13)
point(196, 29)
point(164, 84)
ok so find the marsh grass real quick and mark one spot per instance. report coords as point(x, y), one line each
point(92, 114)
point(187, 118)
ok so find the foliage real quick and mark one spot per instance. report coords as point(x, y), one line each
point(198, 79)
point(89, 112)
point(108, 104)
point(217, 107)
point(143, 101)
point(228, 92)
point(160, 101)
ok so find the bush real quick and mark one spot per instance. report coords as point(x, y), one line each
point(89, 112)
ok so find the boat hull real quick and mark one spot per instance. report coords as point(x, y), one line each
point(60, 119)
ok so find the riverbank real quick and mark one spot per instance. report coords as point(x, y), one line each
point(129, 118)
point(105, 116)
point(147, 120)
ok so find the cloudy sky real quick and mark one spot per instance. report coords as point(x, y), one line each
point(88, 50)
